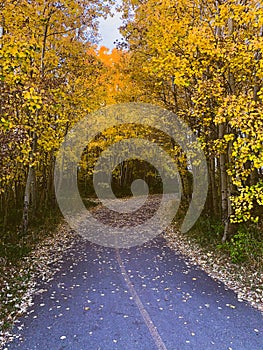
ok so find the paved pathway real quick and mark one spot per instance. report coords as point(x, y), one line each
point(142, 298)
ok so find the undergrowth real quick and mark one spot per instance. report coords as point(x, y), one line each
point(245, 247)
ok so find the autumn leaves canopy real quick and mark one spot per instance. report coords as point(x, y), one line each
point(200, 59)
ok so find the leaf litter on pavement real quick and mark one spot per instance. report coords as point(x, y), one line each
point(19, 284)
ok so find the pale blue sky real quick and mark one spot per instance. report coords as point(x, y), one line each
point(109, 30)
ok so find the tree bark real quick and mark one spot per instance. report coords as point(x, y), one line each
point(30, 190)
point(223, 178)
point(213, 186)
point(228, 227)
point(27, 201)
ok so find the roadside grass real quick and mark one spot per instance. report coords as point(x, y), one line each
point(244, 248)
point(14, 245)
point(14, 285)
point(238, 262)
point(16, 269)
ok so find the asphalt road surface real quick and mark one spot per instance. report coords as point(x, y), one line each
point(142, 298)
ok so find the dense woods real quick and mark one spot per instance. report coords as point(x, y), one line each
point(203, 60)
point(48, 82)
point(200, 59)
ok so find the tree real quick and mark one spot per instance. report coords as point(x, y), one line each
point(46, 86)
point(203, 61)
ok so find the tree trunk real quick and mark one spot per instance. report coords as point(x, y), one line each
point(213, 186)
point(27, 196)
point(30, 190)
point(228, 228)
point(223, 177)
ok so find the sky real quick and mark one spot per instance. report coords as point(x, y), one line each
point(109, 30)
